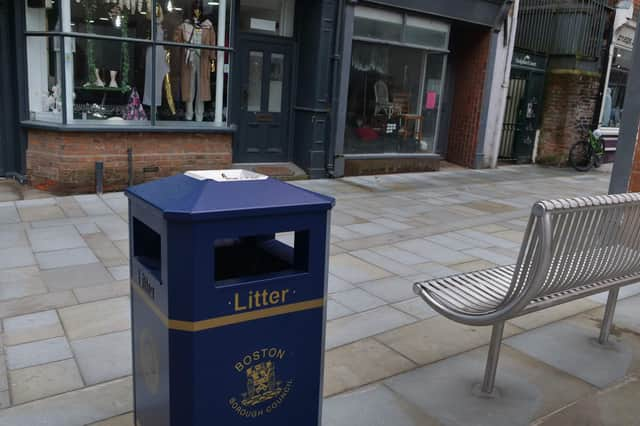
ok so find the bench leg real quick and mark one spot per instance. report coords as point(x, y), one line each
point(607, 320)
point(492, 359)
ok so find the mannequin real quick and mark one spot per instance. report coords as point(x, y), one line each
point(162, 68)
point(195, 72)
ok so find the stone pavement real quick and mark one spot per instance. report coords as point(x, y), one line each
point(64, 304)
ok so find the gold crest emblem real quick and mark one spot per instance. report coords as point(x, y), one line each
point(262, 385)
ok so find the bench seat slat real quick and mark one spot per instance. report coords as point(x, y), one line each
point(489, 287)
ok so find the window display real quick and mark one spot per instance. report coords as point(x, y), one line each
point(45, 90)
point(613, 101)
point(394, 99)
point(132, 61)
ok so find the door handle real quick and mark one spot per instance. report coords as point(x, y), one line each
point(245, 98)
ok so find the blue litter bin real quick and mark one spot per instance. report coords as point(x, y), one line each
point(227, 320)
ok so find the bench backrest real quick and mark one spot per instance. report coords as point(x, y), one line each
point(570, 243)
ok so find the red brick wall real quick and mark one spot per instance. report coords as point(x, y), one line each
point(64, 162)
point(570, 101)
point(470, 51)
point(636, 9)
point(634, 181)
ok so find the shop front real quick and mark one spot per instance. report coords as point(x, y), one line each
point(411, 72)
point(155, 87)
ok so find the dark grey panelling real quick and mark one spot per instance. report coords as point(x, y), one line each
point(482, 12)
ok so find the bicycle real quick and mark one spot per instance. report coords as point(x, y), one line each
point(588, 153)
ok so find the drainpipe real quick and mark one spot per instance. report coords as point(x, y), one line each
point(335, 58)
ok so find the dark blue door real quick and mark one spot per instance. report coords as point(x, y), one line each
point(265, 99)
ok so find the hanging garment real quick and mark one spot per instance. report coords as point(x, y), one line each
point(162, 69)
point(134, 111)
point(185, 34)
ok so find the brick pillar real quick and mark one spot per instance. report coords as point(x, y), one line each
point(570, 102)
point(470, 52)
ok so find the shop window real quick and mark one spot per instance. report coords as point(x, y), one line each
point(394, 99)
point(272, 17)
point(377, 24)
point(426, 32)
point(142, 62)
point(45, 91)
point(614, 97)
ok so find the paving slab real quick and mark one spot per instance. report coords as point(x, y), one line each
point(626, 291)
point(105, 250)
point(9, 214)
point(525, 388)
point(373, 406)
point(102, 291)
point(113, 227)
point(336, 310)
point(573, 348)
point(66, 257)
point(434, 252)
point(103, 358)
point(30, 214)
point(353, 270)
point(553, 314)
point(16, 257)
point(616, 406)
point(336, 284)
point(13, 238)
point(20, 282)
point(119, 273)
point(436, 338)
point(416, 307)
point(75, 408)
point(359, 326)
point(55, 238)
point(627, 314)
point(71, 277)
point(95, 318)
point(36, 303)
point(357, 300)
point(38, 352)
point(41, 381)
point(32, 327)
point(384, 262)
point(361, 363)
point(391, 290)
point(123, 420)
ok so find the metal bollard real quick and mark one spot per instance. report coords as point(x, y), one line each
point(99, 177)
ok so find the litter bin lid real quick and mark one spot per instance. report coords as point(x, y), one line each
point(211, 194)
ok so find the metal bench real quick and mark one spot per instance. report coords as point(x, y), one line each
point(572, 248)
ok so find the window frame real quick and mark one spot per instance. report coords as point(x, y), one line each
point(402, 18)
point(151, 125)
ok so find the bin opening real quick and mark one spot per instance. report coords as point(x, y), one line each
point(147, 247)
point(240, 259)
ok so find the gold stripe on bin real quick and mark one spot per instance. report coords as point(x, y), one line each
point(227, 319)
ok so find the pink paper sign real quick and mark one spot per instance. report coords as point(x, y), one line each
point(431, 100)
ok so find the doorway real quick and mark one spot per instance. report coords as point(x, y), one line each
point(522, 115)
point(10, 137)
point(265, 99)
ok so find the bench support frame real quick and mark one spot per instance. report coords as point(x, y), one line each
point(609, 311)
point(492, 359)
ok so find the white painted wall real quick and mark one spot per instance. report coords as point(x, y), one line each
point(499, 88)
